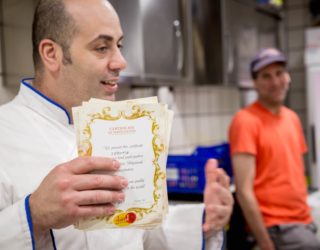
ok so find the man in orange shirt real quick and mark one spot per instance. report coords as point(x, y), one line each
point(267, 147)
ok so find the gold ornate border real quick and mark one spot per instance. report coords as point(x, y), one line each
point(85, 149)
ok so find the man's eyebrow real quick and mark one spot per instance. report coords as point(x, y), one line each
point(107, 38)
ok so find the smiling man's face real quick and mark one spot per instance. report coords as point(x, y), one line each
point(96, 59)
point(272, 84)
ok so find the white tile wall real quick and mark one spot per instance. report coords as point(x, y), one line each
point(179, 142)
point(193, 126)
point(214, 99)
point(204, 99)
point(217, 132)
point(190, 106)
point(225, 122)
point(206, 113)
point(202, 114)
point(229, 99)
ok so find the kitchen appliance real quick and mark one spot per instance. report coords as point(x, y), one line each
point(172, 42)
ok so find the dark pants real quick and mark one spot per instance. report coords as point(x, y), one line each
point(294, 237)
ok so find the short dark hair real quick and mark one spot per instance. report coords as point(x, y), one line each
point(254, 75)
point(52, 21)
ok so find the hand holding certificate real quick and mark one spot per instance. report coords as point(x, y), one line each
point(136, 133)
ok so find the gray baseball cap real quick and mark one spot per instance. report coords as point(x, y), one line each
point(266, 57)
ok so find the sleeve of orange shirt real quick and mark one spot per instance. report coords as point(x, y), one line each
point(243, 133)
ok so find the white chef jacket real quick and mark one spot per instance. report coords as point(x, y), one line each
point(37, 135)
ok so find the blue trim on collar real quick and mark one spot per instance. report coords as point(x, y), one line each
point(224, 240)
point(29, 219)
point(23, 81)
point(53, 240)
point(203, 241)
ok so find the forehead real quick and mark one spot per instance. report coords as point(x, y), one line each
point(271, 68)
point(94, 18)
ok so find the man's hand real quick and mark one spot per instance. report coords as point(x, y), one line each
point(73, 191)
point(218, 200)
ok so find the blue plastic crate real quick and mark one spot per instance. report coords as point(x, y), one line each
point(220, 152)
point(185, 174)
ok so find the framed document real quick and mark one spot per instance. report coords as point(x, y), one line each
point(136, 133)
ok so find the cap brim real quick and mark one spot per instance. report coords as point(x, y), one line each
point(268, 61)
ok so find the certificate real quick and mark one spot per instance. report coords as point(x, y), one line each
point(136, 133)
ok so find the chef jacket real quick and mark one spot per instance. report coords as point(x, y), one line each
point(37, 135)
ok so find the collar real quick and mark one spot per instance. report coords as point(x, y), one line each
point(267, 111)
point(42, 104)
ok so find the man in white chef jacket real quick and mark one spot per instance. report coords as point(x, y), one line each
point(44, 187)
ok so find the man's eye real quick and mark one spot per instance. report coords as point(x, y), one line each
point(120, 46)
point(280, 73)
point(102, 49)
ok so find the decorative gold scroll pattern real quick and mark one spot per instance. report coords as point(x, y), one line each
point(158, 148)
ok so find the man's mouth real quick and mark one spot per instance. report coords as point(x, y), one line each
point(110, 87)
point(109, 82)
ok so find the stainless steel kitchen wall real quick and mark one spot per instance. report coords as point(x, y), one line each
point(171, 42)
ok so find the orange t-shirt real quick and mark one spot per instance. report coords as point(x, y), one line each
point(278, 144)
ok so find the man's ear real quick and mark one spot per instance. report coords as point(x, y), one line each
point(254, 83)
point(51, 54)
point(288, 77)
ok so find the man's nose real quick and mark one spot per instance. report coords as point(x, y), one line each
point(118, 62)
point(276, 80)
